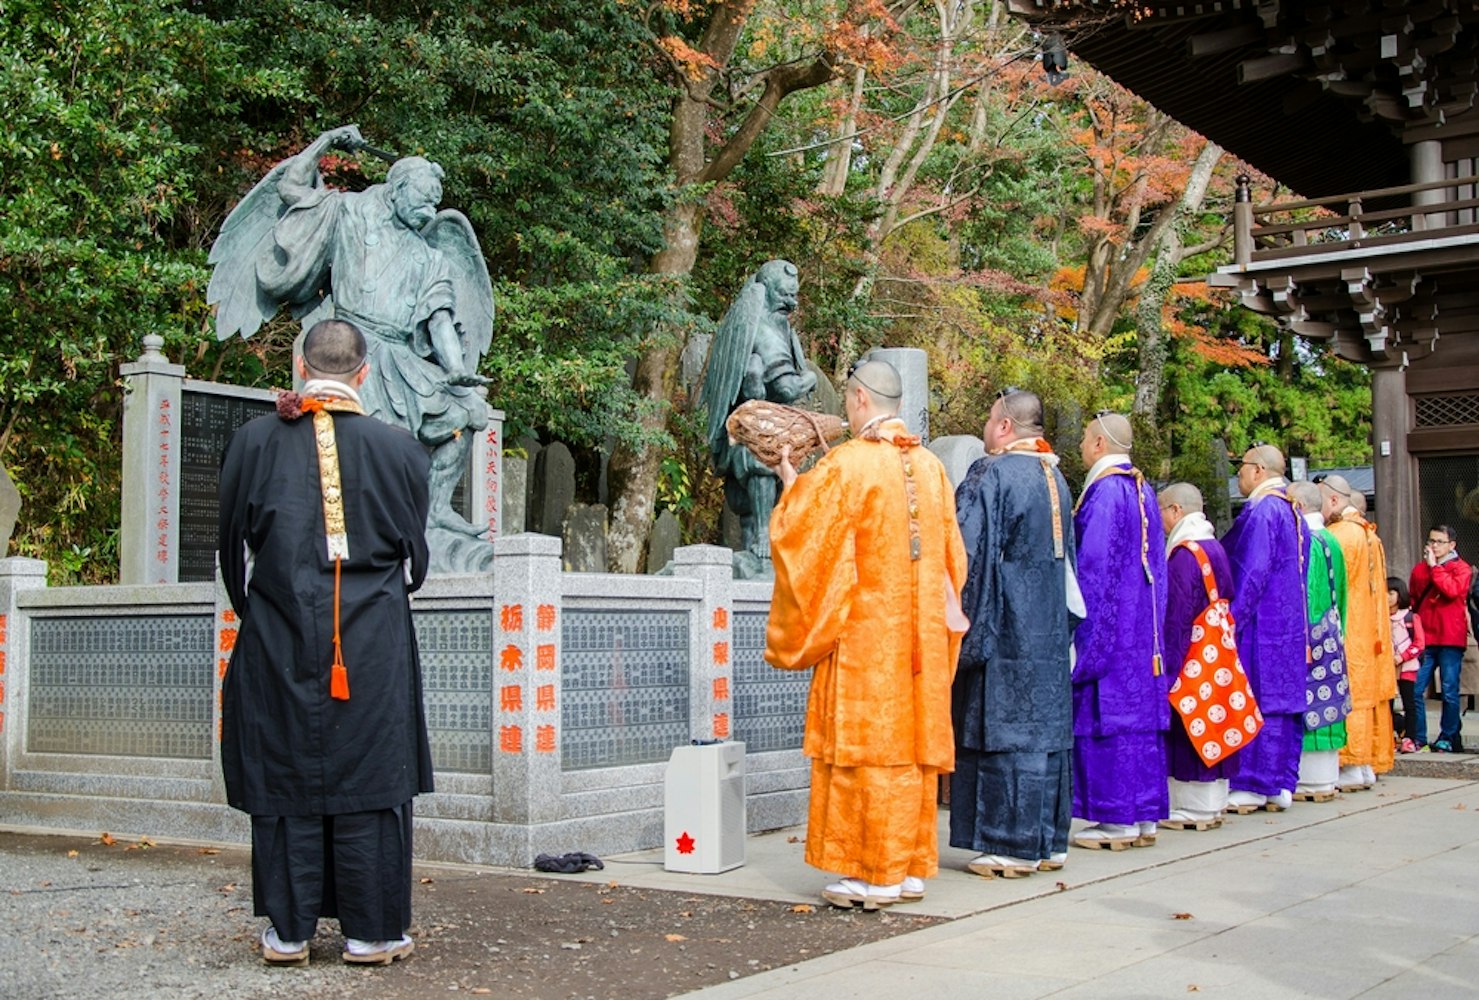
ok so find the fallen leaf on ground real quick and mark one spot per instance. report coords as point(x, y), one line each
point(1181, 916)
point(71, 854)
point(1193, 988)
point(803, 908)
point(793, 840)
point(1062, 886)
point(228, 887)
point(480, 991)
point(426, 881)
point(675, 937)
point(613, 884)
point(209, 850)
point(533, 892)
point(106, 839)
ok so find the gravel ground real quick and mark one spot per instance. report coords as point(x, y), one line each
point(89, 918)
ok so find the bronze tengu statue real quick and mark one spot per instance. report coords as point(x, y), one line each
point(756, 355)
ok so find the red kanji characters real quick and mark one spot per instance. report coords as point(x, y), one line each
point(512, 658)
point(511, 618)
point(511, 698)
point(544, 698)
point(510, 739)
point(544, 617)
point(544, 656)
point(544, 739)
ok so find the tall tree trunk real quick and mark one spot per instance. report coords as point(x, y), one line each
point(839, 154)
point(633, 471)
point(1149, 325)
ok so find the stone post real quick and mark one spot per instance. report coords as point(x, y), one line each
point(16, 574)
point(485, 481)
point(711, 640)
point(526, 679)
point(913, 368)
point(149, 539)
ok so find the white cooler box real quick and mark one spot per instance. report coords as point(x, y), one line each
point(704, 808)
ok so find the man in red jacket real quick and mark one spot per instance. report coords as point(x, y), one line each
point(1440, 588)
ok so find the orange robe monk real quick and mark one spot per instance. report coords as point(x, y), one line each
point(1368, 647)
point(851, 601)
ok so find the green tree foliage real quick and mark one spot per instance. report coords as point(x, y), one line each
point(135, 125)
point(99, 181)
point(962, 219)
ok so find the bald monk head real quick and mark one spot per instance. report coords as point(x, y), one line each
point(1307, 495)
point(1335, 496)
point(1260, 462)
point(873, 389)
point(1016, 415)
point(1106, 434)
point(1176, 501)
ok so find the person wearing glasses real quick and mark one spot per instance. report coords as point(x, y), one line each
point(1198, 790)
point(1369, 748)
point(1119, 677)
point(868, 570)
point(1266, 548)
point(1009, 795)
point(1327, 687)
point(1439, 586)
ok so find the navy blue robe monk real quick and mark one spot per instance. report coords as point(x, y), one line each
point(1012, 707)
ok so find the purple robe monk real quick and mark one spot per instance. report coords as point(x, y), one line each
point(1265, 546)
point(1198, 792)
point(1120, 708)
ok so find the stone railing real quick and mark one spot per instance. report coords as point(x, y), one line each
point(553, 700)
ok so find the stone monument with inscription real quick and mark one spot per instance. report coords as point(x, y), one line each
point(175, 430)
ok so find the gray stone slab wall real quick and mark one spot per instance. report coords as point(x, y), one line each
point(584, 532)
point(913, 368)
point(496, 661)
point(515, 494)
point(554, 489)
point(958, 452)
point(667, 533)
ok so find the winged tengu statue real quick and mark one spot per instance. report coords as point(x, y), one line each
point(756, 355)
point(411, 277)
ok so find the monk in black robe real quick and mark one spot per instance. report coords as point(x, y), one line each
point(323, 736)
